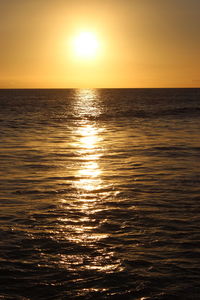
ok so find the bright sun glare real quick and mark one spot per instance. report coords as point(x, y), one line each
point(86, 45)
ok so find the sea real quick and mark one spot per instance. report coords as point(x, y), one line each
point(100, 194)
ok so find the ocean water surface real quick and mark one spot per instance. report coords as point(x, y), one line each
point(100, 194)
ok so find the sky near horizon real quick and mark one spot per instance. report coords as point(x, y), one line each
point(141, 43)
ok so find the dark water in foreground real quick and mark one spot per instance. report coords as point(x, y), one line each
point(100, 194)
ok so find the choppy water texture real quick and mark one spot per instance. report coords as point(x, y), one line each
point(100, 194)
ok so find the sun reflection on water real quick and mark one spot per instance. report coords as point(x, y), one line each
point(87, 104)
point(89, 136)
point(88, 141)
point(87, 144)
point(82, 222)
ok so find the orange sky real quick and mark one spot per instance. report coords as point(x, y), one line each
point(143, 43)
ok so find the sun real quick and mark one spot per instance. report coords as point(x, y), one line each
point(86, 45)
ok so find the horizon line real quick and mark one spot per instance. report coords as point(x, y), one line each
point(93, 88)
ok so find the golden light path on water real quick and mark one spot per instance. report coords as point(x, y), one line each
point(89, 186)
point(88, 142)
point(90, 171)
